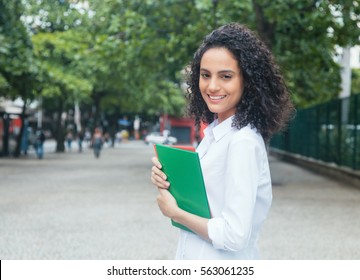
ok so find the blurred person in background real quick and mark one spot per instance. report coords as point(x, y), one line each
point(69, 139)
point(40, 139)
point(97, 142)
point(80, 139)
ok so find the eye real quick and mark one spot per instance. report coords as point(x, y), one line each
point(204, 75)
point(226, 77)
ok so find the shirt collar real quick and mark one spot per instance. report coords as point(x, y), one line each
point(217, 131)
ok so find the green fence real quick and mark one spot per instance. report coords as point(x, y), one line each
point(329, 132)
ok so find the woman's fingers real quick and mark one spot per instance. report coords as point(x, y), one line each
point(158, 181)
point(158, 172)
point(156, 162)
point(158, 178)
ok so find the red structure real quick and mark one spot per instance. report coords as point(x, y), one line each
point(183, 129)
point(10, 126)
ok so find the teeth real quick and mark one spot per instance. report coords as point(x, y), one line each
point(218, 97)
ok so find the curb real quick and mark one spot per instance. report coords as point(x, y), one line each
point(331, 170)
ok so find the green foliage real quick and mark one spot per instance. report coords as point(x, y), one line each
point(346, 21)
point(303, 36)
point(139, 54)
point(17, 68)
point(355, 81)
point(53, 15)
point(128, 55)
point(59, 54)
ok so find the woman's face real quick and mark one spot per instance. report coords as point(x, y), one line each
point(221, 82)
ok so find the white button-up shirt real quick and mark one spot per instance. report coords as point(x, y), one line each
point(237, 179)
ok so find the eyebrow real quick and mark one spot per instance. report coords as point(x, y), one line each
point(221, 71)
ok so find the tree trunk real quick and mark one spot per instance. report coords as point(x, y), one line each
point(97, 98)
point(59, 128)
point(265, 28)
point(112, 129)
point(6, 122)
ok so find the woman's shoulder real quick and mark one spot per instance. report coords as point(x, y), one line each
point(249, 134)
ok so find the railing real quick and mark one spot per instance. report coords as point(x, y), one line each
point(329, 132)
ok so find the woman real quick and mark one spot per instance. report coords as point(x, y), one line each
point(235, 87)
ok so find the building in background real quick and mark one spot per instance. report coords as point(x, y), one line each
point(10, 125)
point(183, 129)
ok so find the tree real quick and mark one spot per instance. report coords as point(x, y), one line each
point(303, 35)
point(62, 80)
point(17, 67)
point(132, 66)
point(59, 48)
point(129, 56)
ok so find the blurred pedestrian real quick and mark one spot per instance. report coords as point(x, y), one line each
point(40, 139)
point(236, 88)
point(69, 139)
point(88, 137)
point(97, 142)
point(80, 139)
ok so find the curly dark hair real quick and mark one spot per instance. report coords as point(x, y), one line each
point(265, 103)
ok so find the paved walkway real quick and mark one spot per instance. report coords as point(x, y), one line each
point(73, 206)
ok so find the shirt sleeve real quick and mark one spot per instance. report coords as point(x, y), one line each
point(232, 230)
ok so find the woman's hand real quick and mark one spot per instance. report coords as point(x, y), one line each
point(158, 178)
point(167, 203)
point(170, 209)
point(165, 200)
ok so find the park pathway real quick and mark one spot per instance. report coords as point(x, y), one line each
point(73, 206)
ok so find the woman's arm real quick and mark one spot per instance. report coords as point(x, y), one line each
point(170, 209)
point(232, 229)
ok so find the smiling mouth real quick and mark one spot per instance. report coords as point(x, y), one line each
point(216, 97)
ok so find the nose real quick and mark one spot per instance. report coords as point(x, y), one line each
point(213, 85)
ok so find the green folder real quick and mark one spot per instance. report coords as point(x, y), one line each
point(182, 167)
